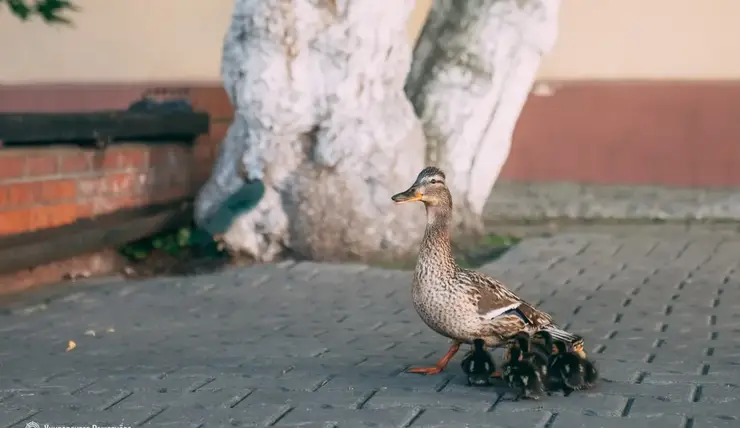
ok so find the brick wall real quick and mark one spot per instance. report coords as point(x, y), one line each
point(48, 187)
point(56, 185)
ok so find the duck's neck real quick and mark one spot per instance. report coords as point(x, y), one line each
point(435, 253)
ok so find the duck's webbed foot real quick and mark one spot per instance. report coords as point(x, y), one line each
point(441, 365)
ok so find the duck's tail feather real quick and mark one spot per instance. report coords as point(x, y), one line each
point(575, 341)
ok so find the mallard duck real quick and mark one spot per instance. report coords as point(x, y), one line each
point(522, 372)
point(458, 303)
point(478, 364)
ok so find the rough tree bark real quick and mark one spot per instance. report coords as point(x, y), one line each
point(321, 117)
point(474, 65)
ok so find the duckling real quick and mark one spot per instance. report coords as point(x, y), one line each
point(538, 353)
point(520, 373)
point(542, 341)
point(478, 364)
point(570, 372)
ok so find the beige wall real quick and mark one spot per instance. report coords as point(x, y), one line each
point(646, 39)
point(165, 40)
point(118, 40)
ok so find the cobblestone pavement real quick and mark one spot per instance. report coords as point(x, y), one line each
point(313, 345)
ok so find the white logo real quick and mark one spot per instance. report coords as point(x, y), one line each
point(32, 424)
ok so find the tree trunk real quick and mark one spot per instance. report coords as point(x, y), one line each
point(322, 121)
point(473, 68)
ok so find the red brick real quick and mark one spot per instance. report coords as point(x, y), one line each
point(18, 195)
point(203, 159)
point(91, 187)
point(58, 190)
point(47, 216)
point(170, 156)
point(218, 132)
point(212, 100)
point(122, 183)
point(109, 204)
point(11, 166)
point(214, 138)
point(85, 210)
point(12, 222)
point(109, 160)
point(39, 165)
point(203, 154)
point(133, 158)
point(124, 158)
point(75, 163)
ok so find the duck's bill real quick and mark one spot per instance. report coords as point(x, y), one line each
point(410, 195)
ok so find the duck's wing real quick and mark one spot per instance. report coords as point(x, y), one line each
point(495, 301)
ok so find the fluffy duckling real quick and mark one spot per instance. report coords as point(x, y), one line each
point(520, 372)
point(569, 371)
point(542, 341)
point(478, 364)
point(538, 352)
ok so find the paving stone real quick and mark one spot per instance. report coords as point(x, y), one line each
point(569, 420)
point(443, 418)
point(654, 407)
point(583, 403)
point(394, 398)
point(75, 417)
point(319, 345)
point(349, 418)
point(723, 421)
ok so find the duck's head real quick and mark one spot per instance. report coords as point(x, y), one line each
point(522, 340)
point(545, 338)
point(429, 188)
point(479, 345)
point(560, 347)
point(513, 351)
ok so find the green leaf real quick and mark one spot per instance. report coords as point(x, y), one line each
point(140, 254)
point(19, 8)
point(183, 237)
point(50, 11)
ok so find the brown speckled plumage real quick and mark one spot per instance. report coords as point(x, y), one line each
point(458, 303)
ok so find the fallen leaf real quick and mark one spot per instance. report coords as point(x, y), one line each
point(71, 345)
point(90, 333)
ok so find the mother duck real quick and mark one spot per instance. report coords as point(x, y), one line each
point(461, 304)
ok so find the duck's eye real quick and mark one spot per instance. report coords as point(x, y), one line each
point(433, 181)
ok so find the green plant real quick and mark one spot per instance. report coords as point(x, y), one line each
point(50, 11)
point(179, 243)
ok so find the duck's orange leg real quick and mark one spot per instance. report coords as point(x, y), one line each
point(441, 364)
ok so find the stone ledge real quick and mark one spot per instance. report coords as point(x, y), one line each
point(512, 200)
